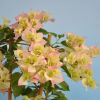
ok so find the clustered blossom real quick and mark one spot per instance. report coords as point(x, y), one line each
point(30, 21)
point(78, 60)
point(26, 45)
point(4, 76)
point(38, 62)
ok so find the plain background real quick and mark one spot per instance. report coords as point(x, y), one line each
point(79, 16)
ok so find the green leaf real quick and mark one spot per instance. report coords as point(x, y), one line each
point(21, 90)
point(56, 46)
point(6, 33)
point(54, 34)
point(2, 35)
point(15, 78)
point(46, 32)
point(59, 96)
point(60, 35)
point(64, 43)
point(11, 62)
point(17, 90)
point(64, 86)
point(18, 40)
point(48, 86)
point(46, 39)
point(29, 92)
point(4, 49)
point(43, 31)
point(14, 46)
point(66, 70)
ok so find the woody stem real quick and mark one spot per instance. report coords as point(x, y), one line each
point(40, 90)
point(10, 91)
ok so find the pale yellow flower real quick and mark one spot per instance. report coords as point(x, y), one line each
point(88, 82)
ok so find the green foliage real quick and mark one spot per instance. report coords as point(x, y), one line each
point(59, 96)
point(17, 90)
point(61, 35)
point(4, 48)
point(64, 43)
point(6, 33)
point(66, 70)
point(22, 90)
point(2, 36)
point(53, 34)
point(29, 92)
point(45, 32)
point(10, 61)
point(64, 86)
point(48, 86)
point(55, 92)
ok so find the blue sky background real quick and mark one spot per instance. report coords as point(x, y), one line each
point(79, 16)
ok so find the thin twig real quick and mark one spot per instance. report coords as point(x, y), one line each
point(10, 90)
point(40, 90)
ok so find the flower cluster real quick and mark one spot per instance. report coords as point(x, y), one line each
point(30, 21)
point(38, 62)
point(4, 76)
point(78, 60)
point(29, 57)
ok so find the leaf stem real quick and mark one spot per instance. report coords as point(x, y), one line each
point(40, 90)
point(49, 38)
point(10, 90)
point(56, 42)
point(9, 94)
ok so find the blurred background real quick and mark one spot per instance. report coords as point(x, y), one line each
point(79, 16)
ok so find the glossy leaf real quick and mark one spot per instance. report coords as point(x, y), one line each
point(6, 33)
point(60, 35)
point(64, 43)
point(2, 35)
point(59, 96)
point(29, 92)
point(66, 70)
point(17, 90)
point(53, 34)
point(64, 86)
point(10, 62)
point(48, 86)
point(43, 31)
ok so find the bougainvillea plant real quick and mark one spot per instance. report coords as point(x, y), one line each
point(32, 62)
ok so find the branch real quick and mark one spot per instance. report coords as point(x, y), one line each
point(10, 90)
point(40, 90)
